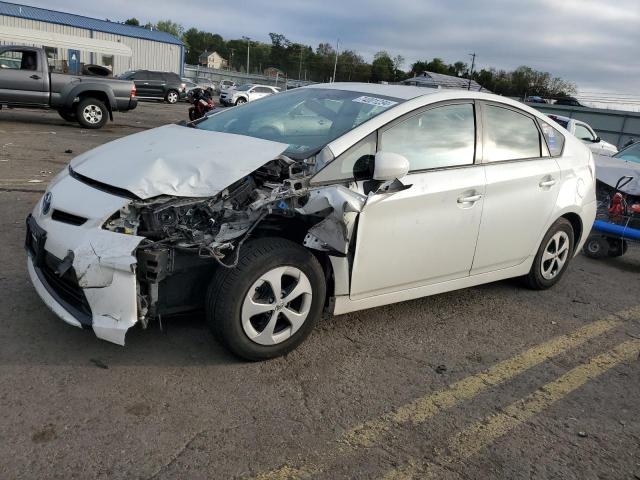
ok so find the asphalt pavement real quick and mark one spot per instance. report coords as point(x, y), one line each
point(495, 381)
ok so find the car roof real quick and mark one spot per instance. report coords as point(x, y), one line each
point(404, 92)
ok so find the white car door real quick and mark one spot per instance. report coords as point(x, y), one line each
point(426, 233)
point(521, 191)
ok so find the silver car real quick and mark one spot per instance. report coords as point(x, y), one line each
point(388, 193)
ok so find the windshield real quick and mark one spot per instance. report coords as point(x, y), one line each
point(306, 118)
point(631, 153)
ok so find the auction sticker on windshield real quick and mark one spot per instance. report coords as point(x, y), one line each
point(378, 102)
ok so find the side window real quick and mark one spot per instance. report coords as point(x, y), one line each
point(555, 140)
point(583, 133)
point(509, 135)
point(18, 60)
point(141, 75)
point(356, 163)
point(156, 76)
point(438, 137)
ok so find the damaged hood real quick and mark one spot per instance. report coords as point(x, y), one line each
point(610, 169)
point(175, 160)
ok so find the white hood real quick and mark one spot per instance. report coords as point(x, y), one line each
point(175, 160)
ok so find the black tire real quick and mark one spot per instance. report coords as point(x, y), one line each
point(229, 288)
point(617, 247)
point(535, 278)
point(596, 247)
point(84, 117)
point(241, 101)
point(68, 115)
point(172, 96)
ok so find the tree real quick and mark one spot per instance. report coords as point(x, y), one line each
point(171, 27)
point(382, 67)
point(460, 68)
point(132, 21)
point(398, 61)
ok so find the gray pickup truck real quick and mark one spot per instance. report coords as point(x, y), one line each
point(26, 81)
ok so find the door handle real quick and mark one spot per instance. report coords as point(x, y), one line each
point(145, 83)
point(547, 183)
point(469, 199)
point(35, 77)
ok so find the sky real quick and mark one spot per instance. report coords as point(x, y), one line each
point(594, 43)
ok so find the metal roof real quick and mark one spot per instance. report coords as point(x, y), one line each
point(435, 80)
point(69, 19)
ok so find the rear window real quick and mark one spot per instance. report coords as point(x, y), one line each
point(554, 139)
point(172, 77)
point(509, 135)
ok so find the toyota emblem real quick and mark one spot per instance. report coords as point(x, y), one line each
point(46, 203)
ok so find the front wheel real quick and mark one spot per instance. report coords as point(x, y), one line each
point(267, 305)
point(241, 100)
point(91, 113)
point(172, 96)
point(553, 256)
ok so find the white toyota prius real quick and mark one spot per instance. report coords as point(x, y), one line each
point(332, 197)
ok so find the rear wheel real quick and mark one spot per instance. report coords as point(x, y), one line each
point(91, 113)
point(553, 256)
point(596, 247)
point(267, 305)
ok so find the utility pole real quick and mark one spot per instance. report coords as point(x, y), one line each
point(335, 64)
point(248, 44)
point(300, 67)
point(473, 63)
point(230, 60)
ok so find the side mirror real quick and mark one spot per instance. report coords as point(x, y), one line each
point(389, 166)
point(597, 140)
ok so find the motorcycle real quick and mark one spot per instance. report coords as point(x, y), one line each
point(202, 103)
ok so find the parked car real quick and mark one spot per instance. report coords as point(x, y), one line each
point(535, 99)
point(246, 93)
point(207, 84)
point(26, 81)
point(167, 86)
point(569, 101)
point(189, 86)
point(394, 196)
point(225, 85)
point(585, 133)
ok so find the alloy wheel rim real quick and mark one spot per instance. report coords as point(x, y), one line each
point(172, 97)
point(92, 114)
point(555, 255)
point(276, 305)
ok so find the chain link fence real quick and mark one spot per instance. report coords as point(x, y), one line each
point(194, 72)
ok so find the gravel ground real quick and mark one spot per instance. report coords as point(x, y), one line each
point(431, 388)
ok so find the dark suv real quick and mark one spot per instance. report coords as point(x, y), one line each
point(160, 85)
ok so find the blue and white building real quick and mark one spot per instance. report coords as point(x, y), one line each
point(72, 40)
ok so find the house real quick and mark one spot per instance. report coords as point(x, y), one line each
point(71, 40)
point(273, 72)
point(439, 80)
point(212, 60)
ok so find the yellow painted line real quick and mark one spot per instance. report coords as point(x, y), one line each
point(478, 436)
point(422, 409)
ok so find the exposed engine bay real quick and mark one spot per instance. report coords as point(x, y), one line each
point(185, 236)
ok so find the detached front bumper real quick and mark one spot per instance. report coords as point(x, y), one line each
point(86, 275)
